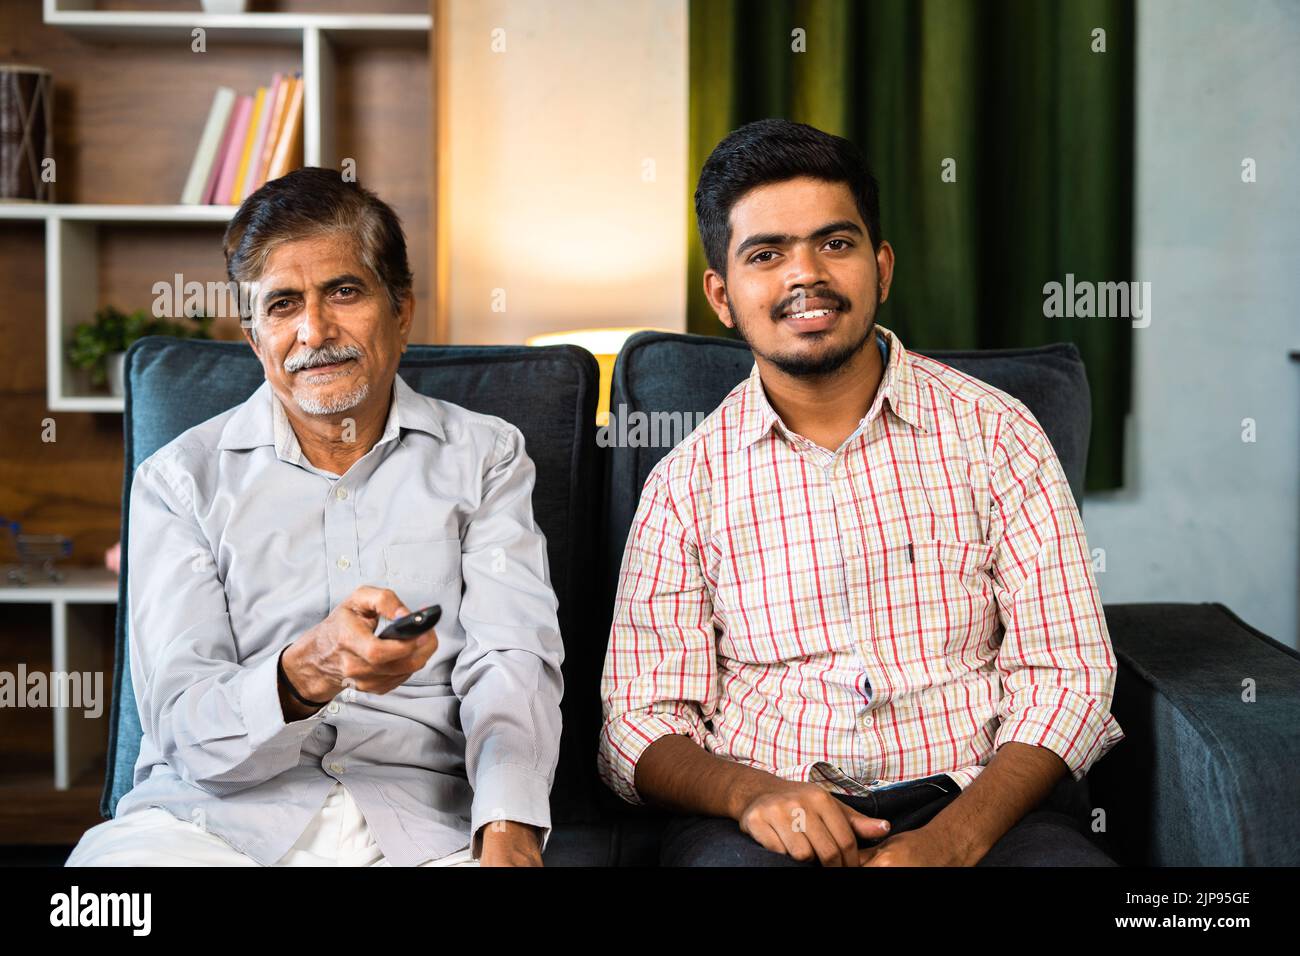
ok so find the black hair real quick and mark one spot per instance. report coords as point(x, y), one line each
point(772, 151)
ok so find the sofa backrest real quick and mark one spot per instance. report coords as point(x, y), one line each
point(548, 393)
point(675, 373)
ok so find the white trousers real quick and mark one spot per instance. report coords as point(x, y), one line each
point(336, 836)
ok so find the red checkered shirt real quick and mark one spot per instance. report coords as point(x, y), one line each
point(897, 608)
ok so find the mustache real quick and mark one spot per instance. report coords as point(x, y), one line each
point(310, 358)
point(795, 302)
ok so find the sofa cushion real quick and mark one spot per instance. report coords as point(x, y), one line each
point(1209, 707)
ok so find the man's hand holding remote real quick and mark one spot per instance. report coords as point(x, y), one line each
point(345, 645)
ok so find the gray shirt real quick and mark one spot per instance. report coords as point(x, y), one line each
point(238, 545)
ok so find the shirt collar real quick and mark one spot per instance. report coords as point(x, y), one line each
point(898, 390)
point(262, 420)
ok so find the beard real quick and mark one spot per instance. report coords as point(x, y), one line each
point(308, 401)
point(340, 403)
point(815, 364)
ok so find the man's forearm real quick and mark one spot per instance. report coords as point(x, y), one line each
point(677, 773)
point(511, 831)
point(293, 709)
point(1017, 779)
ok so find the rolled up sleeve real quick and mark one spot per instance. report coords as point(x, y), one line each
point(660, 674)
point(508, 675)
point(1056, 660)
point(217, 723)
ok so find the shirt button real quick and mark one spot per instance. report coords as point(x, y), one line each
point(333, 707)
point(868, 720)
point(341, 493)
point(343, 562)
point(336, 767)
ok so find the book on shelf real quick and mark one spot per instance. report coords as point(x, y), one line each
point(256, 167)
point(254, 122)
point(214, 131)
point(247, 140)
point(273, 127)
point(218, 158)
point(230, 162)
point(288, 147)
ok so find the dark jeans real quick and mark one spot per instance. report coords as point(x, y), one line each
point(1052, 834)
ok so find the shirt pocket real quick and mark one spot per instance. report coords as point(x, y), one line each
point(422, 573)
point(428, 564)
point(933, 606)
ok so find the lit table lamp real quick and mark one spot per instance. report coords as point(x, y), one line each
point(605, 344)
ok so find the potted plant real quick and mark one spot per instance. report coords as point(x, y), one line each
point(99, 347)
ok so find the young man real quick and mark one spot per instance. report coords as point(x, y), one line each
point(858, 593)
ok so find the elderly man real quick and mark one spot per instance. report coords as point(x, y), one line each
point(269, 544)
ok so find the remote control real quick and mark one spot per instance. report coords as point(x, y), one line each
point(413, 625)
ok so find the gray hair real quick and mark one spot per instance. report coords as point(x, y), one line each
point(315, 201)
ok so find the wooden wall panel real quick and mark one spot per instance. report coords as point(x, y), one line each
point(73, 485)
point(26, 733)
point(383, 120)
point(132, 258)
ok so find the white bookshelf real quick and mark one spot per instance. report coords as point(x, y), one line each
point(131, 25)
point(71, 230)
point(76, 645)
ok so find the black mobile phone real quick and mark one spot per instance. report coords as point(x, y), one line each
point(413, 625)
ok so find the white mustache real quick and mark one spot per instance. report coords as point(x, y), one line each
point(310, 358)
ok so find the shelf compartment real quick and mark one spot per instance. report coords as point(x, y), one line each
point(115, 260)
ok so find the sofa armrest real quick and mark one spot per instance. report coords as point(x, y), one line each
point(1208, 772)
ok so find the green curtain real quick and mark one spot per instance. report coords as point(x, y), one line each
point(1040, 126)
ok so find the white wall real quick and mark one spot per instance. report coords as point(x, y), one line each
point(549, 146)
point(1205, 516)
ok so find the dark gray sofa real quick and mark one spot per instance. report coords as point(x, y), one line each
point(1202, 778)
